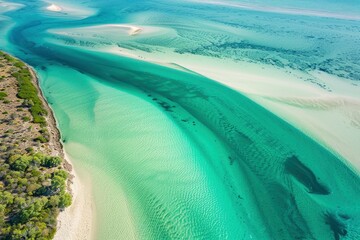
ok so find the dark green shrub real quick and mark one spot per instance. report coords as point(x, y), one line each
point(65, 200)
point(3, 95)
point(50, 162)
point(41, 139)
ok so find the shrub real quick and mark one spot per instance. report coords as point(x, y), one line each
point(32, 186)
point(41, 139)
point(29, 93)
point(29, 149)
point(50, 162)
point(3, 95)
point(20, 164)
point(65, 200)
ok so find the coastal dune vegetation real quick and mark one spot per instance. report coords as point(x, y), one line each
point(33, 181)
point(27, 91)
point(33, 191)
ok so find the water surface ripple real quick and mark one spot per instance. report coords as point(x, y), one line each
point(175, 155)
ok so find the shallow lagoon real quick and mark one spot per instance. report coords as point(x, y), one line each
point(172, 154)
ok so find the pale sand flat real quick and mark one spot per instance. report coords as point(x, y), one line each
point(330, 118)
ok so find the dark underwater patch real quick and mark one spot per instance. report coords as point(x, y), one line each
point(304, 175)
point(336, 225)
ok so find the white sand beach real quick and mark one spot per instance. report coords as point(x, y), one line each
point(76, 222)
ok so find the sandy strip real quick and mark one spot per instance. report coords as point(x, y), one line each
point(77, 221)
point(132, 30)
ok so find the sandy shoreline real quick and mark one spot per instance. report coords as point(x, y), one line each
point(76, 221)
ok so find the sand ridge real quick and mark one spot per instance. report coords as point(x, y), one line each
point(331, 118)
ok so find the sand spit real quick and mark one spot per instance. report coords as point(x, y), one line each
point(131, 29)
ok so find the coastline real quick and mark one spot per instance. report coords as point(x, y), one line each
point(75, 222)
point(20, 138)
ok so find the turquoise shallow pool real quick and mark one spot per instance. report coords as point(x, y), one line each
point(175, 155)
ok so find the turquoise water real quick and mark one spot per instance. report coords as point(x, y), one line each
point(174, 155)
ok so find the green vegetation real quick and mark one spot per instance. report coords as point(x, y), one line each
point(27, 90)
point(26, 119)
point(3, 95)
point(32, 191)
point(41, 139)
point(32, 185)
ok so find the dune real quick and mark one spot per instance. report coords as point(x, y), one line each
point(54, 8)
point(69, 10)
point(134, 30)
